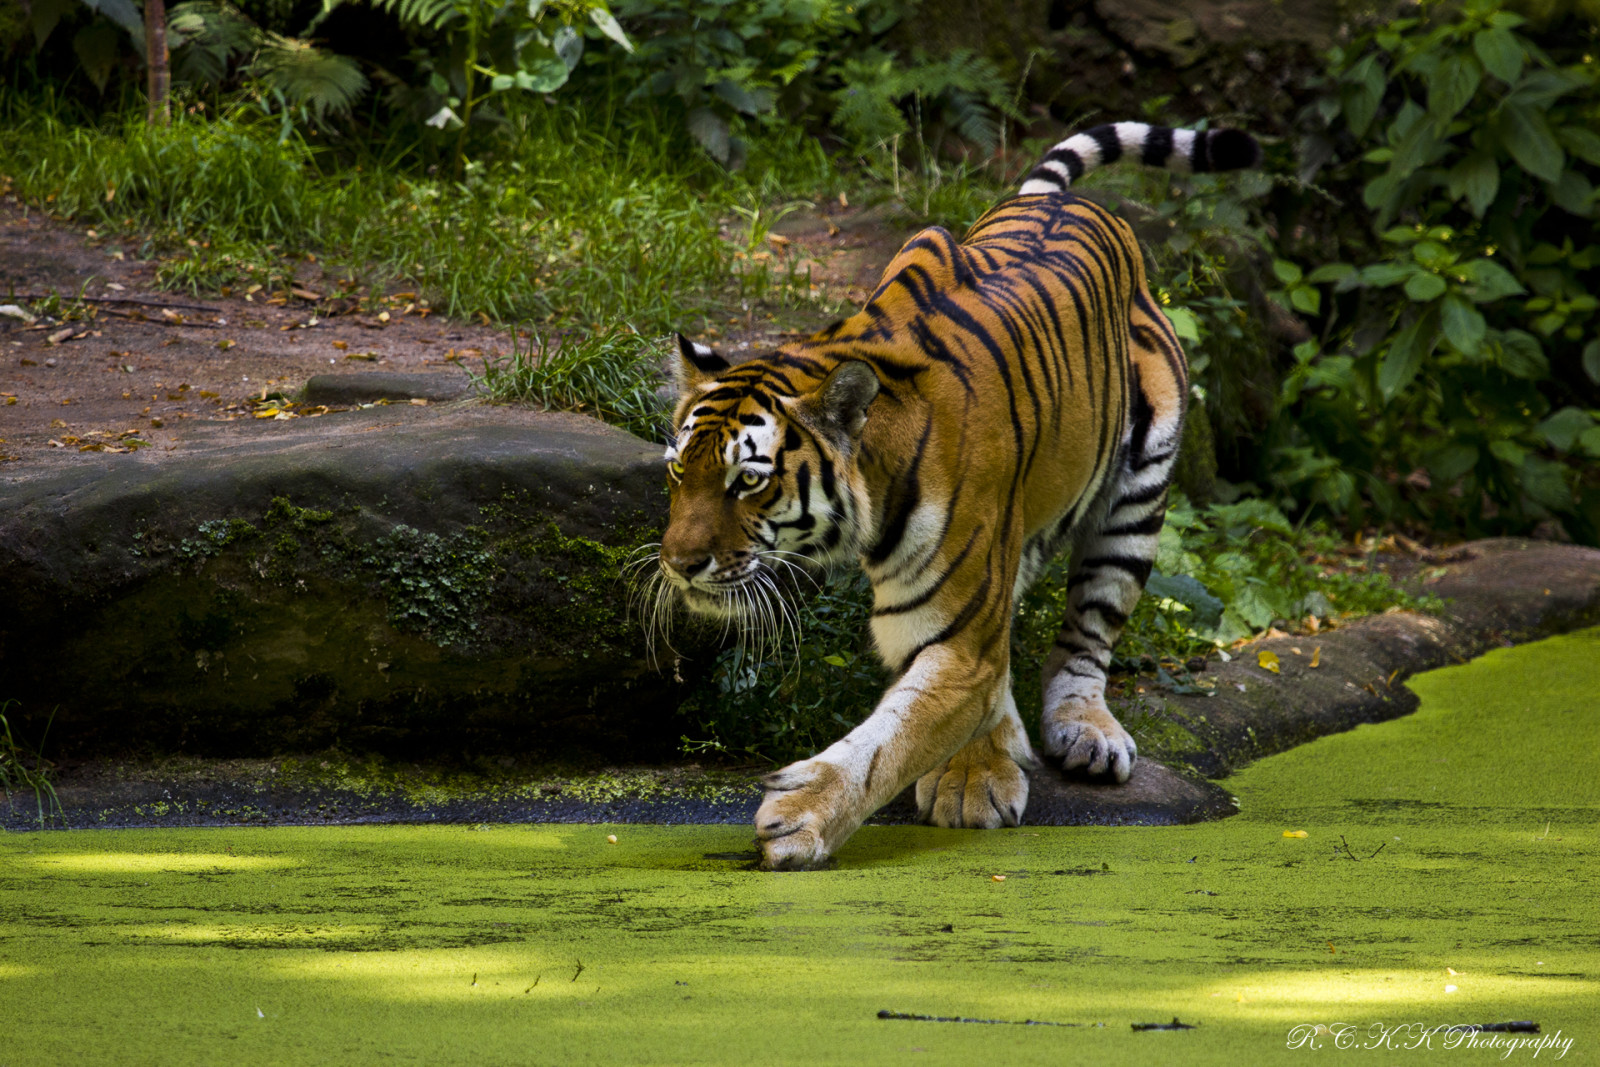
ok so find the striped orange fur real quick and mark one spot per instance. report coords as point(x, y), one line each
point(996, 401)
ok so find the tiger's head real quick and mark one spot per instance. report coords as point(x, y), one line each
point(762, 474)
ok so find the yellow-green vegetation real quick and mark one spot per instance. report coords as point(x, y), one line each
point(496, 780)
point(1445, 878)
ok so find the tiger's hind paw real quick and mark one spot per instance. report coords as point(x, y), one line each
point(1088, 739)
point(981, 790)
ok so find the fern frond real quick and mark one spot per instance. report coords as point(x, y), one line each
point(309, 77)
point(429, 14)
point(206, 37)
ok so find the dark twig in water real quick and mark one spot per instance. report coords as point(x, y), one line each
point(957, 1019)
point(1173, 1025)
point(1523, 1027)
point(1344, 846)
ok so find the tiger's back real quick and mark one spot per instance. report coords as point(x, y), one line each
point(996, 400)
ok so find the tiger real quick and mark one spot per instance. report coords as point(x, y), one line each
point(996, 400)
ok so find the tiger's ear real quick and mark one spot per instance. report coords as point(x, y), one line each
point(696, 363)
point(840, 403)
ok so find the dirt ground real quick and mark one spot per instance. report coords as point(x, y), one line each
point(121, 366)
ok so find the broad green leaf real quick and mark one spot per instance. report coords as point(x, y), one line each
point(1528, 138)
point(747, 101)
point(1288, 273)
point(1432, 254)
point(1452, 461)
point(1452, 86)
point(1478, 179)
point(1589, 441)
point(1332, 272)
point(1545, 482)
point(97, 46)
point(1542, 88)
point(1362, 98)
point(1573, 193)
point(1462, 323)
point(1500, 52)
point(543, 69)
point(1253, 604)
point(1489, 281)
point(1250, 514)
point(1306, 299)
point(706, 127)
point(1563, 428)
point(1522, 356)
point(1189, 592)
point(1407, 120)
point(610, 27)
point(1385, 274)
point(1508, 452)
point(501, 82)
point(1581, 142)
point(1184, 323)
point(568, 44)
point(122, 12)
point(1407, 350)
point(1423, 287)
point(1591, 360)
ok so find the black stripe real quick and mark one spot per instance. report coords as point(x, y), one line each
point(1200, 154)
point(928, 594)
point(1113, 616)
point(1110, 144)
point(905, 495)
point(1157, 146)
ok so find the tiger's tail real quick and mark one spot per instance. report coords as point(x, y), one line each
point(1185, 151)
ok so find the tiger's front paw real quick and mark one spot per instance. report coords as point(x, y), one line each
point(1086, 737)
point(804, 816)
point(980, 788)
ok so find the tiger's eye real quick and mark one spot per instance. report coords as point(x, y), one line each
point(751, 479)
point(675, 469)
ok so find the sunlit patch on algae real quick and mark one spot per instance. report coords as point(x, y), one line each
point(110, 862)
point(1446, 877)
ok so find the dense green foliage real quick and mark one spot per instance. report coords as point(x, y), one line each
point(1455, 378)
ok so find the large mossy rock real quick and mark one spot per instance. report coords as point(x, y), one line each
point(422, 587)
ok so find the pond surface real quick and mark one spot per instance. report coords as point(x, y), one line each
point(1446, 876)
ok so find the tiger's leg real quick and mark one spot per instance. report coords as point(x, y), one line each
point(1110, 562)
point(983, 785)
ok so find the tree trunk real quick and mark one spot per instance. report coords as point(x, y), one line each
point(155, 41)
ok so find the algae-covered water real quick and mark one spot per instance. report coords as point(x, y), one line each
point(1446, 876)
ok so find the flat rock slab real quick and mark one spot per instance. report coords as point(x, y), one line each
point(92, 798)
point(1496, 593)
point(343, 389)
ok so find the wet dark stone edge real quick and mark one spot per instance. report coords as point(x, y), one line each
point(1507, 592)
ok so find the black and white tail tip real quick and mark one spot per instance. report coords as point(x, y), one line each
point(1185, 151)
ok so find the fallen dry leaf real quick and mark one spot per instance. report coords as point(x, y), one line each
point(59, 336)
point(1316, 657)
point(1268, 661)
point(341, 345)
point(1295, 833)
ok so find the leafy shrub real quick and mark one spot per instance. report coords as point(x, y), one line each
point(1454, 381)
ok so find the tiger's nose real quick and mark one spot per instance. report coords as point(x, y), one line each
point(688, 564)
